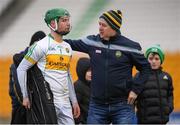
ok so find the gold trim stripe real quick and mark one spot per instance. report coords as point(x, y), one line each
point(15, 91)
point(30, 59)
point(107, 14)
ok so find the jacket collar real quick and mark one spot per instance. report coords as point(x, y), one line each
point(112, 39)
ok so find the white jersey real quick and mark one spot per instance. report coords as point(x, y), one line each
point(53, 59)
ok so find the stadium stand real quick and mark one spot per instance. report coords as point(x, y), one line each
point(4, 4)
point(146, 23)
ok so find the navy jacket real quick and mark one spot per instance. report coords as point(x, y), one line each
point(18, 111)
point(14, 87)
point(112, 62)
point(42, 109)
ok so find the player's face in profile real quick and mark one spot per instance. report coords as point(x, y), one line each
point(64, 26)
point(105, 30)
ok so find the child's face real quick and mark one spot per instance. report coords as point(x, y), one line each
point(88, 75)
point(154, 60)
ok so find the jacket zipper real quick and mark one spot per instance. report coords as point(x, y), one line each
point(160, 99)
point(106, 75)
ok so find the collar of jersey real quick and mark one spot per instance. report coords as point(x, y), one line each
point(51, 36)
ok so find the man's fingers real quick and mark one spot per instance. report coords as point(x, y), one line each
point(74, 113)
point(131, 100)
point(77, 112)
point(132, 97)
point(26, 103)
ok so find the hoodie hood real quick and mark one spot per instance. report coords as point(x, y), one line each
point(82, 67)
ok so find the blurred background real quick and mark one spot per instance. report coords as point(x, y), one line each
point(145, 21)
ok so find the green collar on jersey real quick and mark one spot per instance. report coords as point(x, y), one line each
point(51, 36)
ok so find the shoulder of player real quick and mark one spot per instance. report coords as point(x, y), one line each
point(43, 43)
point(66, 44)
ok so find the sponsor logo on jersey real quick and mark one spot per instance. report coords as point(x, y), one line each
point(67, 50)
point(57, 62)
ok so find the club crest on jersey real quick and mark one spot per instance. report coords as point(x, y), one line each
point(67, 50)
point(118, 54)
point(61, 58)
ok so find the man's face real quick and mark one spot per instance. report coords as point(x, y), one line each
point(105, 30)
point(154, 60)
point(64, 25)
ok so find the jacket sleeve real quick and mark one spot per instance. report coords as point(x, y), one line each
point(11, 81)
point(78, 90)
point(170, 94)
point(143, 66)
point(78, 45)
